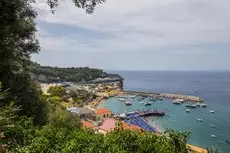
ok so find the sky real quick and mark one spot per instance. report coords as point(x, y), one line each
point(136, 35)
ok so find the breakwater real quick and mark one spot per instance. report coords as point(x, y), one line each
point(165, 95)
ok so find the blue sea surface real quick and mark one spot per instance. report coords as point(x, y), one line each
point(212, 87)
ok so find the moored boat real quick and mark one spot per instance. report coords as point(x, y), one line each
point(213, 135)
point(128, 103)
point(203, 105)
point(148, 103)
point(177, 102)
point(212, 111)
point(121, 99)
point(188, 110)
point(190, 106)
point(199, 119)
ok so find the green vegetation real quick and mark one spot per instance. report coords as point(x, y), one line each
point(81, 74)
point(32, 122)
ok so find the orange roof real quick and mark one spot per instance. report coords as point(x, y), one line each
point(103, 111)
point(88, 124)
point(127, 126)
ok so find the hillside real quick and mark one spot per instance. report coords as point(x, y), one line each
point(80, 74)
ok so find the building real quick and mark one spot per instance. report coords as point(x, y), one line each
point(86, 113)
point(103, 113)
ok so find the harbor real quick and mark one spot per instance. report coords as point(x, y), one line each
point(164, 95)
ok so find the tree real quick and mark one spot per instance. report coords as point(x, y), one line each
point(88, 5)
point(17, 43)
point(58, 91)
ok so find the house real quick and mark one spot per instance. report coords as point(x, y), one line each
point(86, 113)
point(103, 113)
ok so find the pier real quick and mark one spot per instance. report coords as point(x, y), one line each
point(165, 95)
point(134, 118)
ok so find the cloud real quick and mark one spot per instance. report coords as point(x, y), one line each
point(135, 26)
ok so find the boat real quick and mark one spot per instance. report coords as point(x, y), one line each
point(148, 103)
point(190, 106)
point(160, 99)
point(177, 102)
point(140, 98)
point(213, 126)
point(128, 103)
point(141, 102)
point(199, 119)
point(152, 99)
point(121, 99)
point(132, 96)
point(212, 111)
point(204, 105)
point(187, 110)
point(213, 135)
point(198, 104)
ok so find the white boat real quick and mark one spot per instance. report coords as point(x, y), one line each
point(132, 96)
point(213, 135)
point(141, 102)
point(212, 111)
point(121, 99)
point(177, 102)
point(128, 103)
point(188, 110)
point(203, 105)
point(198, 104)
point(199, 119)
point(148, 103)
point(213, 126)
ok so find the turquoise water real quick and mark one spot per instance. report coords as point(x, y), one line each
point(214, 88)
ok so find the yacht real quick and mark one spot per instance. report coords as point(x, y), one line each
point(203, 105)
point(212, 111)
point(190, 106)
point(213, 135)
point(128, 103)
point(213, 126)
point(122, 99)
point(177, 102)
point(148, 103)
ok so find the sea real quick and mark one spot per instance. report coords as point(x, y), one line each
point(212, 87)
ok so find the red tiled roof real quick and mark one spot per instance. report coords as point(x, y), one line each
point(103, 111)
point(88, 124)
point(108, 125)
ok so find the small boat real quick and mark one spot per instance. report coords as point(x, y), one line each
point(132, 96)
point(203, 105)
point(177, 102)
point(199, 119)
point(128, 103)
point(148, 103)
point(190, 106)
point(213, 135)
point(152, 99)
point(141, 102)
point(212, 111)
point(213, 126)
point(160, 99)
point(198, 104)
point(187, 110)
point(121, 99)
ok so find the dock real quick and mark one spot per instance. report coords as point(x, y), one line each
point(135, 118)
point(164, 95)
